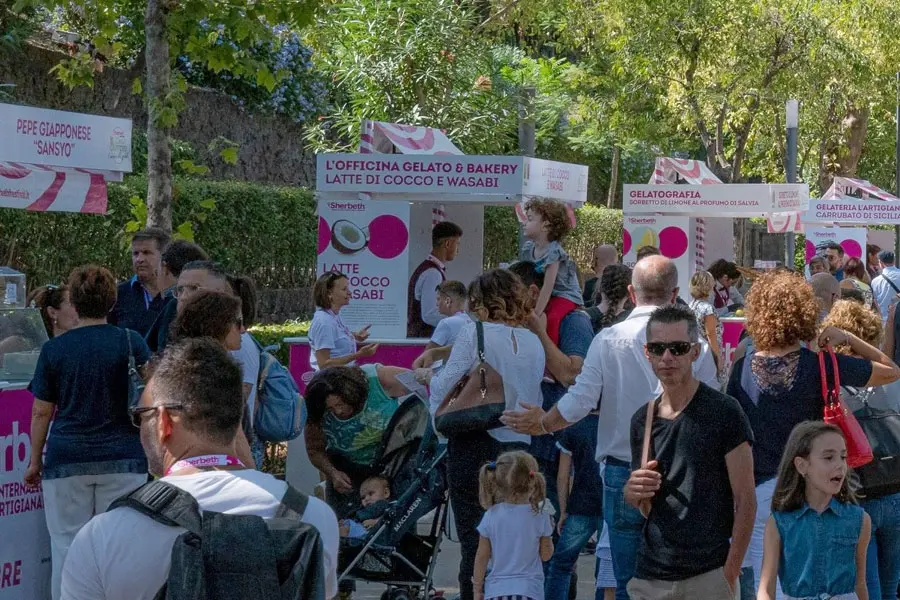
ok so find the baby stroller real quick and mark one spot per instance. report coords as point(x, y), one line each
point(393, 552)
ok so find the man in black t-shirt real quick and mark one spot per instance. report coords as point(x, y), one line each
point(696, 486)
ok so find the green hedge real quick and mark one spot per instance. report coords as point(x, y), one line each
point(595, 225)
point(271, 335)
point(265, 232)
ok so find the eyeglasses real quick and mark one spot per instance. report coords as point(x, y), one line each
point(137, 411)
point(676, 348)
point(239, 321)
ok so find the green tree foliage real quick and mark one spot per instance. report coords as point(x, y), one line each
point(217, 36)
point(418, 62)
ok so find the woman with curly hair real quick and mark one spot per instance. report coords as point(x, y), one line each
point(778, 383)
point(883, 557)
point(856, 278)
point(499, 299)
point(546, 225)
point(612, 303)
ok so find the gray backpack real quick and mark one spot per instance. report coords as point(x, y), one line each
point(240, 557)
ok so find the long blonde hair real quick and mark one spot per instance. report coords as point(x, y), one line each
point(512, 475)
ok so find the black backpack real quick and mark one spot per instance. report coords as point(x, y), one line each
point(240, 557)
point(881, 477)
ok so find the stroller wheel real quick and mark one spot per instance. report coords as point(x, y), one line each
point(398, 594)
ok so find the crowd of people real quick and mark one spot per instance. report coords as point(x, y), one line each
point(99, 432)
point(699, 475)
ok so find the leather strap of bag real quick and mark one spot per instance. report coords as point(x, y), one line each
point(648, 432)
point(482, 374)
point(479, 331)
point(829, 395)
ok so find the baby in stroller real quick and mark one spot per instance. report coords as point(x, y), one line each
point(374, 494)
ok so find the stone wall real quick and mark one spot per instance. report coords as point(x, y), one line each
point(270, 147)
point(278, 306)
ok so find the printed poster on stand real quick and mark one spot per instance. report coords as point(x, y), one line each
point(369, 243)
point(24, 541)
point(851, 239)
point(669, 234)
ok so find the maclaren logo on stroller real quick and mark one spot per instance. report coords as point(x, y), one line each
point(409, 512)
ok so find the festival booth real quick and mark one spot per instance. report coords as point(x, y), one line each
point(376, 211)
point(49, 161)
point(687, 212)
point(842, 213)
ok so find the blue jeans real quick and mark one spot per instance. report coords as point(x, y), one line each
point(576, 532)
point(625, 524)
point(883, 558)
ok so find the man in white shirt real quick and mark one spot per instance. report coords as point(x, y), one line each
point(189, 416)
point(451, 302)
point(617, 368)
point(422, 312)
point(886, 286)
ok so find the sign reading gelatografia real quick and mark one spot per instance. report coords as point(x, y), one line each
point(64, 139)
point(721, 200)
point(369, 243)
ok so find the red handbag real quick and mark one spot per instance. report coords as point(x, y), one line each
point(859, 451)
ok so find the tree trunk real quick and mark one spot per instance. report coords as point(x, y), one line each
point(613, 178)
point(159, 154)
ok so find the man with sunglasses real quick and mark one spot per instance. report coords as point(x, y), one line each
point(696, 488)
point(616, 369)
point(189, 417)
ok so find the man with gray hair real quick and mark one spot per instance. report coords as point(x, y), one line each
point(616, 369)
point(695, 484)
point(827, 290)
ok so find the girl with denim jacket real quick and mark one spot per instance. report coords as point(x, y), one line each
point(816, 538)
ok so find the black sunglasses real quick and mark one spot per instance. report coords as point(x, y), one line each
point(676, 348)
point(137, 411)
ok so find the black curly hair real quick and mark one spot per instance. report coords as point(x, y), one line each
point(614, 282)
point(349, 383)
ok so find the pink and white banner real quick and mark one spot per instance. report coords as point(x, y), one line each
point(679, 170)
point(727, 200)
point(38, 188)
point(64, 139)
point(24, 541)
point(378, 137)
point(455, 178)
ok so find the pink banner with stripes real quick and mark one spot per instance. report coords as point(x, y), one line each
point(386, 138)
point(692, 172)
point(45, 189)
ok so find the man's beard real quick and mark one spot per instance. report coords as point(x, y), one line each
point(154, 454)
